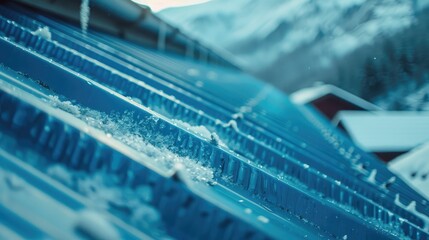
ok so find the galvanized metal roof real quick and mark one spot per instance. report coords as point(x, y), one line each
point(104, 138)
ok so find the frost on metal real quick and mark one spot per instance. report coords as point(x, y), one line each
point(135, 134)
point(84, 15)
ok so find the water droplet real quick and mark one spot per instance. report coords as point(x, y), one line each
point(263, 219)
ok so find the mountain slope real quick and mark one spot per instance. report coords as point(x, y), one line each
point(294, 43)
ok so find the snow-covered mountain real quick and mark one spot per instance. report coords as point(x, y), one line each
point(292, 43)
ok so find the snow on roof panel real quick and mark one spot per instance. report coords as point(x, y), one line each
point(133, 133)
point(386, 131)
point(413, 167)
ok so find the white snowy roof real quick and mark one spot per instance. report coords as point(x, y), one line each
point(385, 131)
point(413, 168)
point(307, 95)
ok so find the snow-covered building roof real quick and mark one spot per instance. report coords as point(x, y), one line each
point(330, 99)
point(385, 131)
point(413, 168)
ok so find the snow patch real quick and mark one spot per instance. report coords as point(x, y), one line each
point(231, 124)
point(66, 106)
point(237, 116)
point(125, 129)
point(179, 173)
point(203, 132)
point(43, 32)
point(263, 219)
point(413, 168)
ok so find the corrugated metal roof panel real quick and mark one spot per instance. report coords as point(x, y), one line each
point(148, 144)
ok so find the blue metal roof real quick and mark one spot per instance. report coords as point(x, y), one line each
point(100, 133)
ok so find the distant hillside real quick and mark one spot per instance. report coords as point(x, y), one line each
point(393, 72)
point(362, 46)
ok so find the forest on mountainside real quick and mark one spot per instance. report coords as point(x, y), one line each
point(392, 69)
